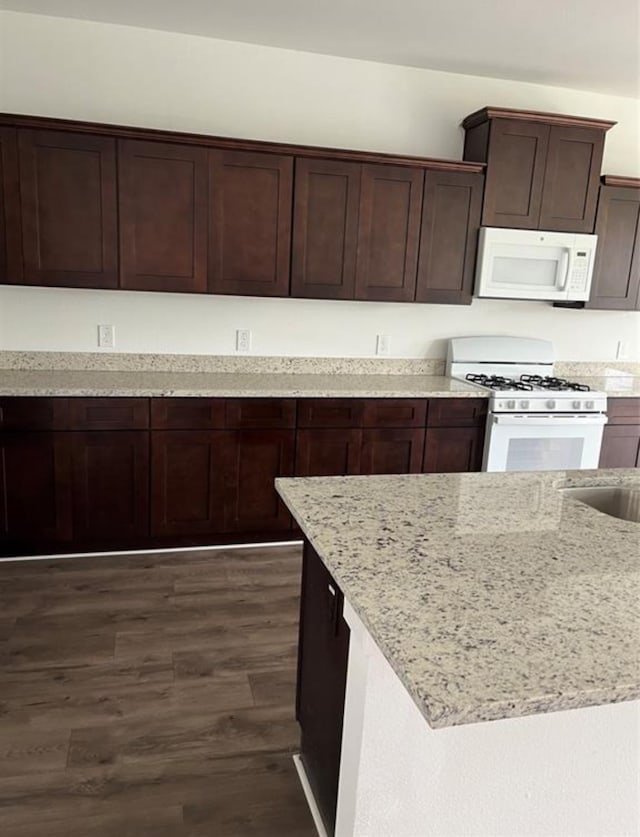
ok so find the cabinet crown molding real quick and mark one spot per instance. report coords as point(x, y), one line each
point(489, 112)
point(11, 120)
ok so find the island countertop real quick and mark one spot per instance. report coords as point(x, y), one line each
point(490, 595)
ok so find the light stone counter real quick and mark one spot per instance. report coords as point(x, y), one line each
point(490, 595)
point(147, 384)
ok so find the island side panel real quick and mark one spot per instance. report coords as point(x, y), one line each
point(322, 676)
point(572, 772)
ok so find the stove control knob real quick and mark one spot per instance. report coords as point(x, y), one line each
point(524, 405)
point(576, 405)
point(551, 404)
point(511, 405)
point(589, 405)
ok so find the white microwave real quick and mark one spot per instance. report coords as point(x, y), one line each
point(534, 264)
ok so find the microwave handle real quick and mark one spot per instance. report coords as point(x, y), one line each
point(565, 268)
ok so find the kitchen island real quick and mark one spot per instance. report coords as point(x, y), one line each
point(469, 599)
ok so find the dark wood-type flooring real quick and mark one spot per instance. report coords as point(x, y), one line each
point(151, 696)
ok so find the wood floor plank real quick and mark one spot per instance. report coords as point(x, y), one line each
point(151, 695)
point(24, 751)
point(273, 688)
point(159, 822)
point(252, 658)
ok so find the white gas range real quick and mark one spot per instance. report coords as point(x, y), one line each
point(536, 421)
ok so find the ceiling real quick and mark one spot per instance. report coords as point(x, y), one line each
point(584, 44)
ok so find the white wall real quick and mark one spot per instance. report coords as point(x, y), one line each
point(571, 773)
point(126, 75)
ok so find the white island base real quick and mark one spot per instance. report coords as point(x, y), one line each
point(574, 772)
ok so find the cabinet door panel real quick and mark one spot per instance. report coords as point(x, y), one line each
point(397, 451)
point(328, 453)
point(515, 173)
point(10, 233)
point(253, 461)
point(388, 232)
point(453, 449)
point(616, 273)
point(69, 218)
point(620, 446)
point(450, 221)
point(110, 485)
point(325, 229)
point(163, 193)
point(250, 223)
point(35, 489)
point(188, 481)
point(572, 173)
point(323, 651)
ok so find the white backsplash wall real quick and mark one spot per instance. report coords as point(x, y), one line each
point(52, 319)
point(128, 75)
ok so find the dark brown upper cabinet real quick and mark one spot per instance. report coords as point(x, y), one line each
point(542, 168)
point(616, 273)
point(163, 194)
point(450, 220)
point(325, 229)
point(250, 223)
point(10, 237)
point(68, 209)
point(388, 233)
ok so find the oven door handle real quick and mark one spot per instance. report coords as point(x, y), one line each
point(549, 420)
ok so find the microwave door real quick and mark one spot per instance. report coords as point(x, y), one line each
point(527, 272)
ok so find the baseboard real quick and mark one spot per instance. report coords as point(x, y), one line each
point(205, 548)
point(311, 802)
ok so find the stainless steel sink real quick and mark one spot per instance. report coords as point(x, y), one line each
point(613, 500)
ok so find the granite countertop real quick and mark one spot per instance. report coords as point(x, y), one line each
point(147, 384)
point(491, 595)
point(621, 385)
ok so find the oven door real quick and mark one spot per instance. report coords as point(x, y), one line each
point(547, 442)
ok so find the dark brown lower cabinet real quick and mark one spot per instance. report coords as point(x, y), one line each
point(453, 449)
point(323, 652)
point(324, 452)
point(35, 490)
point(187, 481)
point(392, 451)
point(253, 460)
point(110, 485)
point(620, 446)
point(83, 473)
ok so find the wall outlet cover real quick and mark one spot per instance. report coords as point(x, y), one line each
point(243, 340)
point(383, 344)
point(106, 336)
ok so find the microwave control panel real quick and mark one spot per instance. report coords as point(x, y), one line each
point(579, 271)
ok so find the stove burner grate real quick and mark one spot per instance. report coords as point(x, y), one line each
point(555, 384)
point(499, 382)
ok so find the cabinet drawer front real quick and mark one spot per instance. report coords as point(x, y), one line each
point(187, 413)
point(260, 412)
point(456, 412)
point(33, 413)
point(620, 446)
point(395, 412)
point(108, 413)
point(330, 412)
point(623, 410)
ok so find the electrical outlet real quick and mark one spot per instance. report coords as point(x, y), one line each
point(106, 336)
point(243, 340)
point(383, 344)
point(622, 352)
